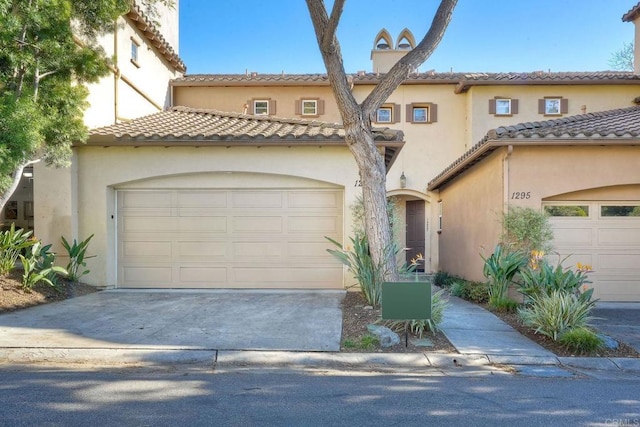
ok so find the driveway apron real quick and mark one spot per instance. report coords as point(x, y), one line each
point(197, 320)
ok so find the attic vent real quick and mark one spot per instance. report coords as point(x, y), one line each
point(404, 46)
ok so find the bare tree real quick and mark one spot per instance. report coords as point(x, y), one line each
point(622, 59)
point(357, 117)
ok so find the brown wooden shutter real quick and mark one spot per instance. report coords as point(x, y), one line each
point(298, 107)
point(250, 107)
point(409, 117)
point(564, 106)
point(492, 106)
point(396, 113)
point(540, 106)
point(433, 113)
point(514, 106)
point(272, 107)
point(320, 107)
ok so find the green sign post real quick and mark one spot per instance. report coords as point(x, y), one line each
point(406, 301)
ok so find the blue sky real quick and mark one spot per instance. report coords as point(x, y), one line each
point(272, 36)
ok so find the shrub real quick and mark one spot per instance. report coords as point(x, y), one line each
point(505, 305)
point(419, 326)
point(38, 267)
point(547, 279)
point(478, 292)
point(12, 242)
point(366, 342)
point(359, 262)
point(460, 289)
point(444, 279)
point(500, 269)
point(526, 229)
point(77, 255)
point(581, 341)
point(555, 313)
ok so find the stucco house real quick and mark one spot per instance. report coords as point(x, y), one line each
point(144, 59)
point(237, 182)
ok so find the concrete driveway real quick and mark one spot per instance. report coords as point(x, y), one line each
point(179, 320)
point(619, 320)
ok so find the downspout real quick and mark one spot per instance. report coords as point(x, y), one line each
point(505, 178)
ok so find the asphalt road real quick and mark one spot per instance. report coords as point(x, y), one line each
point(52, 397)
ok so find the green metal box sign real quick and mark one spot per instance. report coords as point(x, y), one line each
point(406, 300)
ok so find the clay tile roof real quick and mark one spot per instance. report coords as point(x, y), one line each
point(620, 126)
point(154, 36)
point(462, 80)
point(632, 14)
point(184, 124)
point(251, 79)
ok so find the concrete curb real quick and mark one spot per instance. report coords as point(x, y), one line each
point(105, 356)
point(210, 358)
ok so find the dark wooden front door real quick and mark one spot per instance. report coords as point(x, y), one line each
point(416, 231)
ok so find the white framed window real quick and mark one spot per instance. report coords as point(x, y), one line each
point(552, 106)
point(384, 115)
point(309, 107)
point(261, 107)
point(503, 107)
point(420, 114)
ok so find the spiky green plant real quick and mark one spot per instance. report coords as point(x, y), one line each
point(77, 255)
point(555, 313)
point(500, 268)
point(12, 242)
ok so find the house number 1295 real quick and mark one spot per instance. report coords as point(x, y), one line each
point(521, 195)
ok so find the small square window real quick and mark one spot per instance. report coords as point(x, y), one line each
point(503, 107)
point(261, 107)
point(552, 106)
point(420, 114)
point(384, 115)
point(309, 107)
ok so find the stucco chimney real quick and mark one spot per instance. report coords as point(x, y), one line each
point(385, 53)
point(633, 15)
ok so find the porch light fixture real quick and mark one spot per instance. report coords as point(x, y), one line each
point(403, 181)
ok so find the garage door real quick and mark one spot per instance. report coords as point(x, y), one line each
point(228, 238)
point(605, 235)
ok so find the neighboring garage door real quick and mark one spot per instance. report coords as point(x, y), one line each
point(228, 238)
point(605, 235)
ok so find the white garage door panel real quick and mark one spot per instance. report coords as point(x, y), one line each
point(609, 244)
point(572, 236)
point(618, 237)
point(271, 238)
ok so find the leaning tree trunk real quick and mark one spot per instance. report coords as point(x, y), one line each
point(357, 117)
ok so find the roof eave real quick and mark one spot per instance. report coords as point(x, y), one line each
point(243, 83)
point(491, 145)
point(465, 85)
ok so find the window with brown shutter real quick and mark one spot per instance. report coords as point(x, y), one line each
point(503, 106)
point(422, 112)
point(309, 107)
point(261, 107)
point(387, 114)
point(553, 106)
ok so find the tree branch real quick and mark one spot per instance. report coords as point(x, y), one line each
point(332, 25)
point(401, 70)
point(333, 58)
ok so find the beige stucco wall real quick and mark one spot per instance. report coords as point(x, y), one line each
point(101, 171)
point(471, 214)
point(593, 97)
point(233, 99)
point(55, 203)
point(473, 202)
